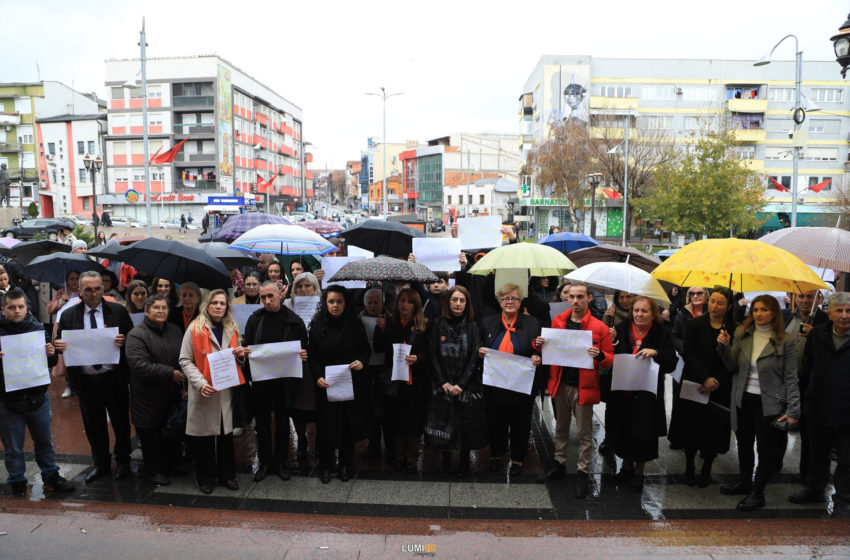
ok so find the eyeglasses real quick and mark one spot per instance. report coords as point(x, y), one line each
point(510, 299)
point(697, 293)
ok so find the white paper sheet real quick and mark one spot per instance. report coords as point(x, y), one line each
point(369, 323)
point(480, 233)
point(137, 318)
point(514, 373)
point(518, 276)
point(223, 370)
point(437, 253)
point(275, 360)
point(634, 374)
point(91, 347)
point(353, 251)
point(690, 392)
point(24, 360)
point(332, 264)
point(341, 387)
point(557, 307)
point(241, 312)
point(680, 367)
point(305, 307)
point(401, 371)
point(567, 348)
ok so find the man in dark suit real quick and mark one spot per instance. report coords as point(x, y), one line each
point(103, 387)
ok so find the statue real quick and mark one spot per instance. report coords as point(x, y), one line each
point(5, 183)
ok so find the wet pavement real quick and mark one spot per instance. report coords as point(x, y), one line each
point(380, 511)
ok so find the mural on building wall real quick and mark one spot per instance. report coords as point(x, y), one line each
point(568, 89)
point(225, 128)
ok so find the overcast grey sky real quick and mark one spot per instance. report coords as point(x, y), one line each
point(460, 64)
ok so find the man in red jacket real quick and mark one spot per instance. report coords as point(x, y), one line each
point(574, 391)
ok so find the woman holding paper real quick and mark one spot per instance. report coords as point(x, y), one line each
point(455, 374)
point(765, 395)
point(637, 418)
point(509, 412)
point(210, 414)
point(338, 342)
point(405, 401)
point(701, 427)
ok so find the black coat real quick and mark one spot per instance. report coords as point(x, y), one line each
point(284, 325)
point(527, 329)
point(175, 317)
point(637, 418)
point(828, 369)
point(33, 395)
point(153, 353)
point(114, 315)
point(698, 426)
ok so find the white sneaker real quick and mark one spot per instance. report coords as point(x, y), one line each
point(66, 393)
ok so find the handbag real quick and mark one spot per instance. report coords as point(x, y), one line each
point(440, 424)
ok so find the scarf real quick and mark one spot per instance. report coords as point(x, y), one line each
point(637, 339)
point(507, 344)
point(202, 345)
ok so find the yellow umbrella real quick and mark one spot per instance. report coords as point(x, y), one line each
point(740, 264)
point(539, 260)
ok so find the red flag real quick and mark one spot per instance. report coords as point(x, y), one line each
point(612, 194)
point(266, 184)
point(154, 155)
point(169, 155)
point(820, 186)
point(777, 185)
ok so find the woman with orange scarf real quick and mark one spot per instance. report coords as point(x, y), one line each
point(210, 413)
point(509, 412)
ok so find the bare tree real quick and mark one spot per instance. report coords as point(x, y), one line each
point(560, 164)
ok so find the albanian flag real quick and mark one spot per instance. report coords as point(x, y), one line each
point(777, 185)
point(169, 155)
point(612, 194)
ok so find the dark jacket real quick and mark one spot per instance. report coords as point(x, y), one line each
point(35, 395)
point(455, 349)
point(114, 315)
point(527, 329)
point(284, 325)
point(828, 369)
point(175, 317)
point(153, 353)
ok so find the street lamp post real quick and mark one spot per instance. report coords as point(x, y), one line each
point(841, 44)
point(384, 95)
point(615, 150)
point(799, 115)
point(304, 171)
point(595, 179)
point(93, 166)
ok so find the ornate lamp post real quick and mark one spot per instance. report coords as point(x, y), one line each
point(93, 166)
point(841, 44)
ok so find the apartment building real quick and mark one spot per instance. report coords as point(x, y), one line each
point(678, 98)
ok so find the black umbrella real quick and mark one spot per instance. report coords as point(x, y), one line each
point(613, 253)
point(208, 236)
point(107, 251)
point(54, 268)
point(28, 250)
point(231, 258)
point(382, 237)
point(177, 262)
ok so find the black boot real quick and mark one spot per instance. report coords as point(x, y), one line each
point(705, 479)
point(689, 478)
point(755, 499)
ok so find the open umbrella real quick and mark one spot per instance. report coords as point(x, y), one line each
point(54, 268)
point(741, 264)
point(539, 260)
point(28, 250)
point(6, 243)
point(111, 249)
point(384, 268)
point(177, 262)
point(823, 247)
point(567, 241)
point(620, 276)
point(241, 223)
point(614, 253)
point(231, 258)
point(382, 237)
point(322, 227)
point(281, 239)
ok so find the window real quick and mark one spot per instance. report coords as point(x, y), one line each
point(121, 175)
point(746, 152)
point(658, 92)
point(827, 126)
point(81, 147)
point(615, 91)
point(55, 177)
point(816, 180)
point(117, 92)
point(656, 122)
point(460, 199)
point(698, 93)
point(780, 94)
point(83, 175)
point(136, 93)
point(781, 154)
point(91, 147)
point(784, 180)
point(154, 92)
point(449, 199)
point(86, 205)
point(821, 154)
point(157, 174)
point(139, 175)
point(742, 92)
point(748, 121)
point(155, 119)
point(480, 199)
point(25, 134)
point(828, 95)
point(51, 148)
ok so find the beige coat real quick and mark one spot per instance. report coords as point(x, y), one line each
point(206, 415)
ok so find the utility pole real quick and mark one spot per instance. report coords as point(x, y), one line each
point(384, 95)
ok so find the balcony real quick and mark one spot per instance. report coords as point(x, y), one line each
point(192, 100)
point(620, 103)
point(10, 119)
point(752, 135)
point(199, 129)
point(10, 147)
point(746, 105)
point(200, 158)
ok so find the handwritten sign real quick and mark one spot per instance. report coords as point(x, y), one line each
point(508, 371)
point(24, 361)
point(401, 371)
point(88, 347)
point(341, 386)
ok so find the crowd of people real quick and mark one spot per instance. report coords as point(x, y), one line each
point(766, 372)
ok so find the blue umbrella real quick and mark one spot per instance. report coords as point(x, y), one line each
point(567, 241)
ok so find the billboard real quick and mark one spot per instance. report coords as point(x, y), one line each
point(225, 127)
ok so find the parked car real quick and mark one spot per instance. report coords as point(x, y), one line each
point(28, 229)
point(437, 225)
point(125, 221)
point(174, 223)
point(78, 220)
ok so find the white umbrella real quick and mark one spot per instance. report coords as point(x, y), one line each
point(282, 239)
point(620, 276)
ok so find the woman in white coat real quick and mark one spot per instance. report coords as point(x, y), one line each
point(210, 412)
